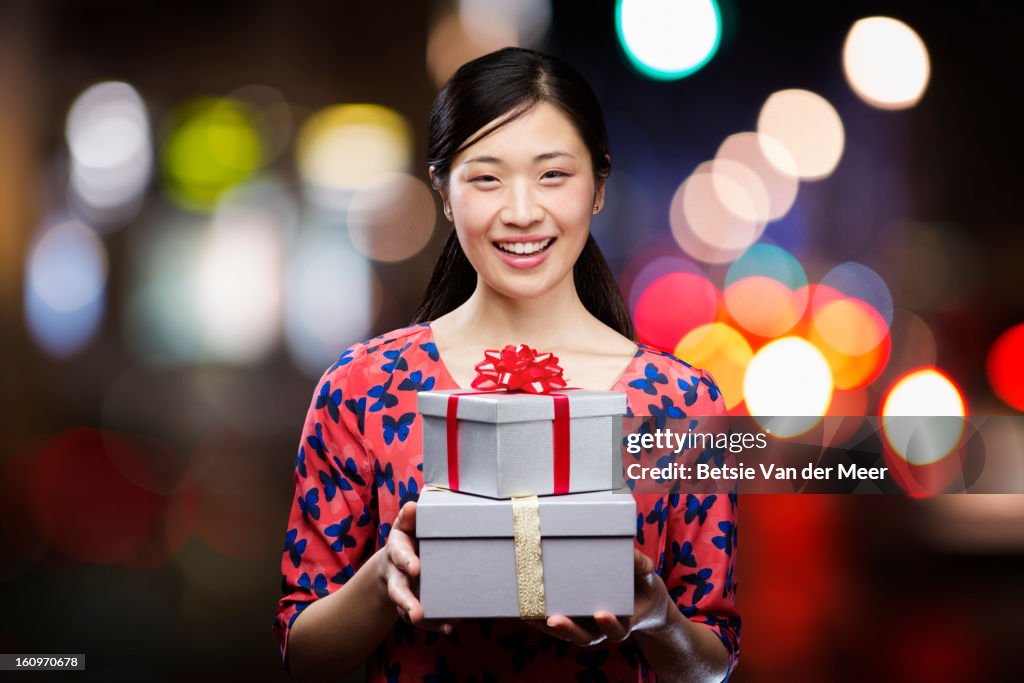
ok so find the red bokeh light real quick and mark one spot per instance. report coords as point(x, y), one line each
point(673, 305)
point(1006, 367)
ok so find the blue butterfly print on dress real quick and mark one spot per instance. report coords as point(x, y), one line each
point(697, 509)
point(317, 585)
point(522, 651)
point(727, 540)
point(344, 359)
point(294, 549)
point(333, 483)
point(442, 674)
point(399, 427)
point(431, 349)
point(689, 390)
point(592, 662)
point(351, 472)
point(408, 494)
point(640, 527)
point(340, 532)
point(316, 442)
point(701, 586)
point(397, 362)
point(651, 377)
point(713, 390)
point(683, 554)
point(300, 462)
point(668, 409)
point(658, 514)
point(385, 399)
point(415, 382)
point(344, 575)
point(385, 476)
point(308, 505)
point(358, 408)
point(329, 399)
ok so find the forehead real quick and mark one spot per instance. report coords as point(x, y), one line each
point(542, 129)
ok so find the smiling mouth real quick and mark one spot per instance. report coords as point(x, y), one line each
point(525, 248)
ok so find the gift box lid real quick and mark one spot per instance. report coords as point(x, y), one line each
point(445, 514)
point(519, 406)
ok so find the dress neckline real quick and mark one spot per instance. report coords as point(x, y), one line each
point(451, 379)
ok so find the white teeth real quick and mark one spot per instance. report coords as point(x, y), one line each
point(523, 247)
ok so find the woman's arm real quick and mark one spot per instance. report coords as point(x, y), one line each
point(337, 633)
point(681, 650)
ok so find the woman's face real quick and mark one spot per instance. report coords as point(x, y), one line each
point(522, 199)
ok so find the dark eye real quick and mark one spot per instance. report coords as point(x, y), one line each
point(555, 174)
point(484, 179)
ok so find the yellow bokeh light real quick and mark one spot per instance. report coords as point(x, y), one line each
point(344, 147)
point(850, 326)
point(723, 352)
point(886, 63)
point(807, 127)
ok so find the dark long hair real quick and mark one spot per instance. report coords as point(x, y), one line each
point(511, 82)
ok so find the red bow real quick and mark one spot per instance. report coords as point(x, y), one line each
point(519, 368)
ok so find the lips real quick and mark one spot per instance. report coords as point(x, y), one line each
point(524, 260)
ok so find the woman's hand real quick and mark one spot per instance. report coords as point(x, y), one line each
point(401, 570)
point(651, 604)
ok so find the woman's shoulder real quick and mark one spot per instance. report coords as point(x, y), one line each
point(396, 349)
point(659, 372)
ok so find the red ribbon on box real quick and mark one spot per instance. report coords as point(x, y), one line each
point(517, 369)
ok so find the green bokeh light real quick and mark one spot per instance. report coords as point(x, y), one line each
point(211, 146)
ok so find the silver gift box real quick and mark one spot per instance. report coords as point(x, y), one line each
point(506, 443)
point(467, 554)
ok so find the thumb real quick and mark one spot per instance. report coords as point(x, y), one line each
point(642, 564)
point(406, 520)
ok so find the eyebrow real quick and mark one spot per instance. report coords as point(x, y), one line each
point(540, 157)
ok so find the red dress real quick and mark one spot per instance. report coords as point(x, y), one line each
point(360, 459)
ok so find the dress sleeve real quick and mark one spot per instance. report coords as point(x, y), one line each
point(332, 526)
point(700, 553)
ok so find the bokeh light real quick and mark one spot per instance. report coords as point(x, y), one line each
point(238, 289)
point(160, 316)
point(788, 377)
point(109, 137)
point(87, 509)
point(661, 321)
point(511, 22)
point(647, 265)
point(331, 299)
point(272, 116)
point(65, 288)
point(1005, 367)
point(766, 291)
point(807, 127)
point(916, 414)
point(857, 280)
point(723, 352)
point(392, 218)
point(346, 146)
point(704, 226)
point(886, 63)
point(777, 178)
point(668, 39)
point(211, 146)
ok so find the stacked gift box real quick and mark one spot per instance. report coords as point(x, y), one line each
point(524, 513)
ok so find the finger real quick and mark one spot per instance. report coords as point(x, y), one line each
point(542, 626)
point(575, 631)
point(611, 626)
point(402, 554)
point(400, 593)
point(406, 520)
point(642, 564)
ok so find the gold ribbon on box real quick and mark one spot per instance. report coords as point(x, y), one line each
point(529, 564)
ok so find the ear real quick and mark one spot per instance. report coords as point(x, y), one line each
point(434, 182)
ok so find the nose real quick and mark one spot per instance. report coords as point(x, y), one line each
point(521, 206)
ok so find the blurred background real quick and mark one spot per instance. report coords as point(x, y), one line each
point(203, 203)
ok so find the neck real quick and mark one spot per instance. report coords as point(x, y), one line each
point(550, 321)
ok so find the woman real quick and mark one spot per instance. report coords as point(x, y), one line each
point(519, 156)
